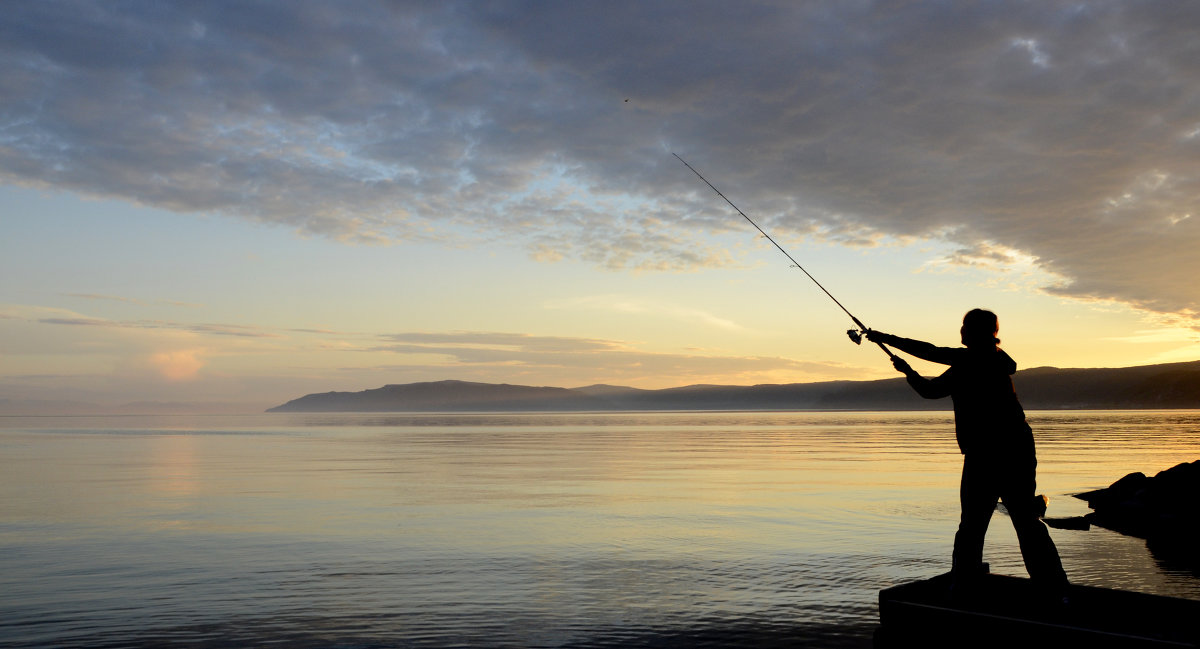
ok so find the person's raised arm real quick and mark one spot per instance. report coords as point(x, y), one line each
point(934, 388)
point(922, 350)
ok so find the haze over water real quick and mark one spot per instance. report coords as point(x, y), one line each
point(520, 530)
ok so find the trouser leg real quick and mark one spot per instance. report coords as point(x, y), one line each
point(1037, 548)
point(977, 497)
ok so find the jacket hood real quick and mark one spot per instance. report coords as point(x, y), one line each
point(1005, 362)
point(995, 360)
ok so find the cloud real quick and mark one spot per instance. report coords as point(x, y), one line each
point(642, 307)
point(243, 331)
point(179, 364)
point(1148, 336)
point(498, 340)
point(45, 345)
point(80, 322)
point(1177, 344)
point(551, 357)
point(1063, 131)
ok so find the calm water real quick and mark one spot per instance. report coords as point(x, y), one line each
point(546, 530)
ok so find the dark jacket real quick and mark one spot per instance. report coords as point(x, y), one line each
point(987, 416)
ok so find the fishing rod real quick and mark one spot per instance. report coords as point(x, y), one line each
point(855, 335)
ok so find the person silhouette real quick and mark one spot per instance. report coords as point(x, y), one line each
point(999, 462)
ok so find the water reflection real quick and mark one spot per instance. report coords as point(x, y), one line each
point(631, 529)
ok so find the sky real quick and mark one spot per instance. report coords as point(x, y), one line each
point(233, 204)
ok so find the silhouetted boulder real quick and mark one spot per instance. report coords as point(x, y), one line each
point(1164, 510)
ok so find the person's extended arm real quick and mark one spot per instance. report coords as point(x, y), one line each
point(922, 350)
point(934, 388)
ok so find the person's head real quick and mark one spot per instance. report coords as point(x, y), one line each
point(979, 329)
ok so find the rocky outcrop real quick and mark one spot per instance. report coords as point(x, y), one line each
point(1164, 510)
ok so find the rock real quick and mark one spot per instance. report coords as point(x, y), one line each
point(1079, 523)
point(1164, 510)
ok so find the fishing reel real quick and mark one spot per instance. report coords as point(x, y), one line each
point(856, 336)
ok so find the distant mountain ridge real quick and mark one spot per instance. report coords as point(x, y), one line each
point(1172, 385)
point(443, 396)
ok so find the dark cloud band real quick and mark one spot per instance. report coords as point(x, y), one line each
point(1067, 131)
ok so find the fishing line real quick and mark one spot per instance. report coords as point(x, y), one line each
point(855, 334)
